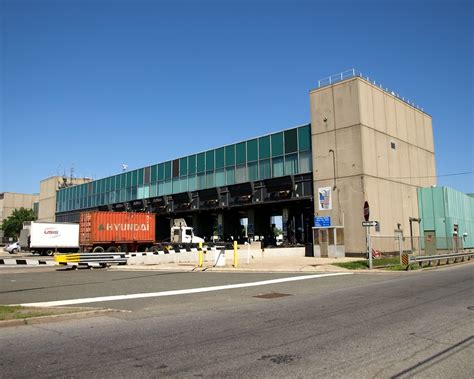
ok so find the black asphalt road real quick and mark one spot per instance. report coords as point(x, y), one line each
point(365, 325)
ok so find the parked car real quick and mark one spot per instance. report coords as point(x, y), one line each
point(13, 248)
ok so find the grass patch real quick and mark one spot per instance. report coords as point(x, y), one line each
point(356, 265)
point(392, 264)
point(392, 261)
point(17, 312)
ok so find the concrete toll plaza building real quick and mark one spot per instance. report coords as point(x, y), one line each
point(364, 144)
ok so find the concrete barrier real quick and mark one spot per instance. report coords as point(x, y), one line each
point(210, 256)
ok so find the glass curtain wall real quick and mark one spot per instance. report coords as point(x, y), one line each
point(278, 154)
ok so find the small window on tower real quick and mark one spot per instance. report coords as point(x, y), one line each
point(392, 144)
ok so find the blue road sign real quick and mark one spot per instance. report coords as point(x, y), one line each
point(321, 222)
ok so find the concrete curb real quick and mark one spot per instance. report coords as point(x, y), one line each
point(303, 269)
point(58, 317)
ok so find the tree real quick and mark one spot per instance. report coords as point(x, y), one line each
point(14, 223)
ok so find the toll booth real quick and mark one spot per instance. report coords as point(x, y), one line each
point(328, 242)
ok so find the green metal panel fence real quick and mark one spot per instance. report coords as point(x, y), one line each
point(443, 208)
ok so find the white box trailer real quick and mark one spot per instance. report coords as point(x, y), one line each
point(46, 238)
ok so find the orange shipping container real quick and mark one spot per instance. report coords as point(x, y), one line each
point(116, 227)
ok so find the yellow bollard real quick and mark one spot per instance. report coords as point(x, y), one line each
point(235, 254)
point(200, 254)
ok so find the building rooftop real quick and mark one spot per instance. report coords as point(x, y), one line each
point(353, 73)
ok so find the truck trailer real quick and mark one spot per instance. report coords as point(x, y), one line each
point(128, 231)
point(46, 238)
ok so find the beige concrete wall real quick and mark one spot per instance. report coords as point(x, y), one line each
point(12, 201)
point(47, 196)
point(360, 121)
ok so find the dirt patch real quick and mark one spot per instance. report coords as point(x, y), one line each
point(17, 312)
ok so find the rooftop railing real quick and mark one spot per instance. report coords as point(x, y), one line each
point(354, 73)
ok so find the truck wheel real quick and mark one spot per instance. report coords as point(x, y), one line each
point(98, 249)
point(112, 249)
point(49, 252)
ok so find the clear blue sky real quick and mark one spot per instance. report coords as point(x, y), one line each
point(94, 84)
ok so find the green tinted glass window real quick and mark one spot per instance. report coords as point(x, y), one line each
point(154, 173)
point(168, 170)
point(161, 171)
point(291, 164)
point(192, 182)
point(230, 155)
point(140, 176)
point(252, 150)
point(305, 161)
point(191, 164)
point(291, 141)
point(220, 158)
point(304, 138)
point(201, 180)
point(183, 166)
point(277, 144)
point(128, 180)
point(253, 171)
point(277, 167)
point(241, 153)
point(210, 160)
point(264, 147)
point(134, 178)
point(201, 162)
point(230, 175)
point(210, 179)
point(220, 177)
point(265, 169)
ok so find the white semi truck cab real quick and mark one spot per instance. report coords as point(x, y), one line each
point(181, 233)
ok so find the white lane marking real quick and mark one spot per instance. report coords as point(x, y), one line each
point(177, 292)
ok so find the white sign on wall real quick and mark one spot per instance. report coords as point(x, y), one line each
point(325, 198)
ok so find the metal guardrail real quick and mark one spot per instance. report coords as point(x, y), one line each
point(354, 73)
point(408, 259)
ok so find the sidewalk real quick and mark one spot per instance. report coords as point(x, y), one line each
point(280, 264)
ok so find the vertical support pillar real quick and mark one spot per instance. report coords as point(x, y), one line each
point(284, 220)
point(220, 226)
point(195, 220)
point(200, 254)
point(369, 242)
point(251, 225)
point(235, 254)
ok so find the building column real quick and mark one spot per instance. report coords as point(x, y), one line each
point(251, 224)
point(284, 221)
point(220, 225)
